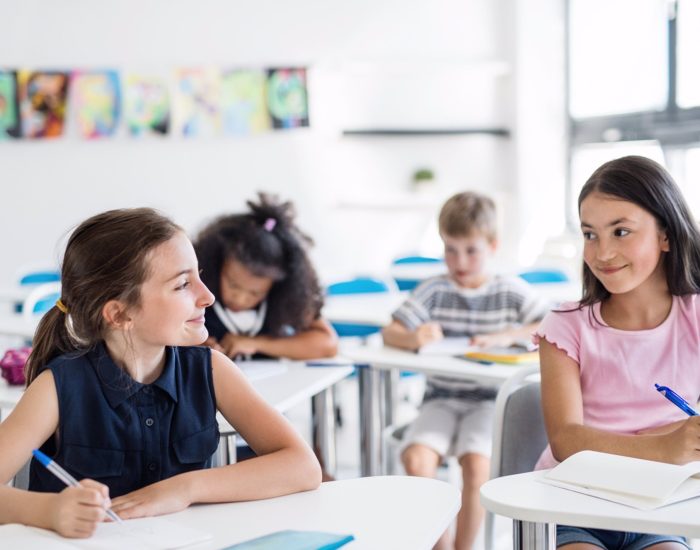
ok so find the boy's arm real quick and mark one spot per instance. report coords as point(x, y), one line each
point(507, 337)
point(398, 335)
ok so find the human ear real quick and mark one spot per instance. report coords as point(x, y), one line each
point(493, 245)
point(115, 315)
point(665, 246)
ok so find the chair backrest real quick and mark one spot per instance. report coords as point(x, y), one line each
point(41, 299)
point(519, 435)
point(539, 276)
point(358, 285)
point(425, 264)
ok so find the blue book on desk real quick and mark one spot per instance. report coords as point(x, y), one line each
point(294, 540)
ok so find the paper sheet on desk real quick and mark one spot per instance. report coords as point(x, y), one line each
point(450, 346)
point(134, 534)
point(257, 370)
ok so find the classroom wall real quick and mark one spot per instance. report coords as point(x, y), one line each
point(372, 63)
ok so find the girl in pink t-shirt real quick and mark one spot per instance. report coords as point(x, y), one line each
point(637, 324)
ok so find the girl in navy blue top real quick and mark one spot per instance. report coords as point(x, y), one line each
point(120, 395)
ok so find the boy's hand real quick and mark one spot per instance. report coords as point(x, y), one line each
point(78, 510)
point(234, 344)
point(499, 339)
point(163, 497)
point(428, 332)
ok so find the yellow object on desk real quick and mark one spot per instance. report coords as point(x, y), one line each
point(513, 355)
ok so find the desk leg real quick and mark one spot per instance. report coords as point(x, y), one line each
point(534, 536)
point(390, 383)
point(371, 419)
point(323, 415)
point(226, 451)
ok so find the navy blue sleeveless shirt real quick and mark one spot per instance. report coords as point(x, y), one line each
point(125, 434)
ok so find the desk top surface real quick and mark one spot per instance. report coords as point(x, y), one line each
point(380, 512)
point(525, 498)
point(385, 357)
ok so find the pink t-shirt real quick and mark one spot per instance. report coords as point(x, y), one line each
point(620, 367)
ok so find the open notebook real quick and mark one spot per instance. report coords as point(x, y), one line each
point(135, 534)
point(460, 347)
point(643, 484)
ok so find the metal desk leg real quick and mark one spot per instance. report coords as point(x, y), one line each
point(226, 451)
point(371, 420)
point(534, 536)
point(390, 383)
point(323, 418)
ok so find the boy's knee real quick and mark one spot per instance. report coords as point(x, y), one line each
point(419, 460)
point(476, 469)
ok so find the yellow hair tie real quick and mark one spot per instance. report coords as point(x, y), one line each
point(61, 306)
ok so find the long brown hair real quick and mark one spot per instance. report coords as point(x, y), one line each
point(647, 184)
point(105, 259)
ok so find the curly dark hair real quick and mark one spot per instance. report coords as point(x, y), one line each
point(274, 249)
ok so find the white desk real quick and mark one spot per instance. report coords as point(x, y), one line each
point(380, 512)
point(377, 386)
point(536, 508)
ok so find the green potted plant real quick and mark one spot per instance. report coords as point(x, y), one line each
point(423, 178)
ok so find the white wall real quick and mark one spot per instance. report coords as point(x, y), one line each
point(410, 63)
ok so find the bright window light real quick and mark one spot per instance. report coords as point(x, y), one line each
point(619, 51)
point(688, 94)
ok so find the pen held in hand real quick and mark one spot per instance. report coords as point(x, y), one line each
point(676, 399)
point(65, 477)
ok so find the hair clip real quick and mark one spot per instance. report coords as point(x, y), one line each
point(61, 306)
point(270, 224)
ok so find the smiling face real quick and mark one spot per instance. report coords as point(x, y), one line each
point(172, 299)
point(240, 288)
point(623, 246)
point(466, 258)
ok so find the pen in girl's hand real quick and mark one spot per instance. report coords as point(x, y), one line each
point(65, 477)
point(676, 399)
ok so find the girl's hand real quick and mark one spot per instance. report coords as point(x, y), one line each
point(682, 445)
point(235, 344)
point(78, 510)
point(164, 497)
point(428, 332)
point(212, 343)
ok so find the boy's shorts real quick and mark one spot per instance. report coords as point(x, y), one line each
point(453, 427)
point(612, 540)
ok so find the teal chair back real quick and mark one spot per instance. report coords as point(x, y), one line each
point(539, 276)
point(358, 285)
point(409, 283)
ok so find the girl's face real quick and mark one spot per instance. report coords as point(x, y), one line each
point(622, 243)
point(173, 298)
point(466, 258)
point(241, 289)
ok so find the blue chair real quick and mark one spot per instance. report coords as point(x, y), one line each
point(358, 285)
point(539, 276)
point(41, 299)
point(30, 278)
point(409, 283)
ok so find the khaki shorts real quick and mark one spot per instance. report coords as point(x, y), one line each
point(453, 427)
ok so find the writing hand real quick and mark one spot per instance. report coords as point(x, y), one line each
point(235, 344)
point(428, 332)
point(499, 339)
point(682, 445)
point(78, 510)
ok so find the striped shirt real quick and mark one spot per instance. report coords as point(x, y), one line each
point(499, 304)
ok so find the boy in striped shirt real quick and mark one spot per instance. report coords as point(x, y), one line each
point(456, 415)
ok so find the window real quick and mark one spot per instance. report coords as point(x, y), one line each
point(634, 88)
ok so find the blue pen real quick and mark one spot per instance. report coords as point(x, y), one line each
point(65, 477)
point(676, 399)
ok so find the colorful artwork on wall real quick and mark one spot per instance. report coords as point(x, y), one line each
point(42, 102)
point(287, 98)
point(9, 106)
point(95, 102)
point(146, 105)
point(243, 103)
point(196, 105)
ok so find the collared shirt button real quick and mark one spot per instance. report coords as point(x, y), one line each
point(149, 422)
point(147, 390)
point(152, 466)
